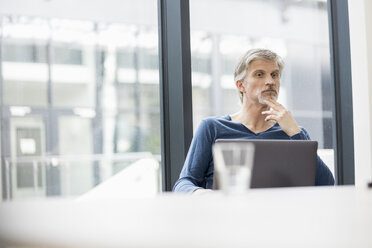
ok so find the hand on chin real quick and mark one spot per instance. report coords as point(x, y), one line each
point(264, 97)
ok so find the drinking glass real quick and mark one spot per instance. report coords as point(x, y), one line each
point(233, 162)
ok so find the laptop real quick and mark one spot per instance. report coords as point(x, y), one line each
point(280, 163)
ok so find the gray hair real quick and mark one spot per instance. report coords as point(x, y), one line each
point(251, 55)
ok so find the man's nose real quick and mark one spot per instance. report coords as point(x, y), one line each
point(269, 81)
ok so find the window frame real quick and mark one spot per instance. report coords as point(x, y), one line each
point(176, 96)
point(342, 107)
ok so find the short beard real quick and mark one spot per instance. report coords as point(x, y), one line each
point(261, 98)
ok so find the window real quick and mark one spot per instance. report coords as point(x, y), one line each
point(99, 72)
point(297, 31)
point(86, 105)
point(29, 53)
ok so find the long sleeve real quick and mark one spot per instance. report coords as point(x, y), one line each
point(323, 174)
point(198, 160)
point(303, 135)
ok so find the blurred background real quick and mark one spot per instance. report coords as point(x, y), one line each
point(80, 84)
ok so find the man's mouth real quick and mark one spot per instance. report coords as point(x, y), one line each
point(274, 91)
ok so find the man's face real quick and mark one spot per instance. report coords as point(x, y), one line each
point(262, 81)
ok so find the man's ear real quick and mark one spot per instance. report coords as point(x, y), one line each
point(239, 84)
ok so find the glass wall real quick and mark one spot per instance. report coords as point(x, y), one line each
point(296, 30)
point(81, 96)
point(24, 61)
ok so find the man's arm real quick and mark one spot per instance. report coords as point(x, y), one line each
point(323, 174)
point(201, 191)
point(197, 161)
point(289, 125)
point(282, 116)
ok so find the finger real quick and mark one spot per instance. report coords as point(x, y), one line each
point(274, 102)
point(275, 105)
point(269, 103)
point(267, 112)
point(271, 117)
point(270, 112)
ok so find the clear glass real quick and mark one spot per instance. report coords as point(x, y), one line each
point(75, 139)
point(24, 61)
point(27, 142)
point(296, 30)
point(92, 80)
point(233, 166)
point(73, 63)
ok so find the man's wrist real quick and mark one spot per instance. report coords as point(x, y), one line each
point(294, 131)
point(201, 191)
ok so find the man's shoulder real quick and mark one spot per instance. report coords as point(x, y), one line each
point(210, 126)
point(304, 130)
point(216, 120)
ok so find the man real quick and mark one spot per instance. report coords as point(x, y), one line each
point(257, 78)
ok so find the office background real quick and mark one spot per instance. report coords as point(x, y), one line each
point(80, 83)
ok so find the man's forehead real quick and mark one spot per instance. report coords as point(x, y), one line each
point(261, 64)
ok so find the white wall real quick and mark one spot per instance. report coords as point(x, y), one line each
point(361, 63)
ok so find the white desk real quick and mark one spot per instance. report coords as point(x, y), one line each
point(296, 217)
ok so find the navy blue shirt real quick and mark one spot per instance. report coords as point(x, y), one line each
point(198, 167)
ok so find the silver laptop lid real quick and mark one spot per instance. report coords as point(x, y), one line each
point(280, 163)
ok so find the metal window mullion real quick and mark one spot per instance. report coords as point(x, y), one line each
point(53, 181)
point(343, 135)
point(137, 94)
point(175, 86)
point(49, 118)
point(97, 121)
point(5, 135)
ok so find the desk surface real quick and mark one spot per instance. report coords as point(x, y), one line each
point(290, 217)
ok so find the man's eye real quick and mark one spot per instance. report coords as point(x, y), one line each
point(259, 74)
point(274, 75)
